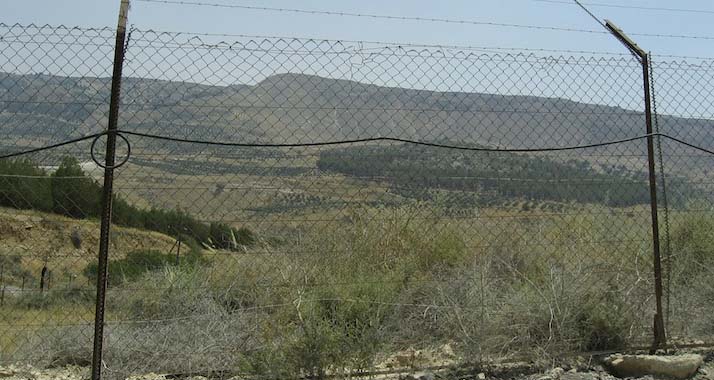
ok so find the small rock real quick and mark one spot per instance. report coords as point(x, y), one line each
point(553, 374)
point(557, 371)
point(148, 376)
point(580, 376)
point(481, 376)
point(448, 350)
point(420, 376)
point(76, 238)
point(678, 367)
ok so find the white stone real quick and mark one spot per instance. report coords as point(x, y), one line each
point(448, 350)
point(420, 376)
point(678, 367)
point(556, 372)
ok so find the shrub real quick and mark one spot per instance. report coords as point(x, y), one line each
point(569, 319)
point(168, 292)
point(33, 191)
point(136, 263)
point(603, 323)
point(224, 236)
point(57, 297)
point(73, 193)
point(693, 244)
point(126, 215)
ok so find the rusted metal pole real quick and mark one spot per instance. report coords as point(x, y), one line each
point(178, 251)
point(43, 276)
point(660, 338)
point(107, 194)
point(2, 284)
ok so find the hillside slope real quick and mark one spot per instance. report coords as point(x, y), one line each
point(297, 107)
point(31, 238)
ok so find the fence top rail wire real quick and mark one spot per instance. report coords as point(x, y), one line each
point(357, 141)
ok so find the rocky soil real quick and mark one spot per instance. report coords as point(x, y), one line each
point(593, 372)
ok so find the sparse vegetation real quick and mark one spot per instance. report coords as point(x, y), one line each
point(348, 293)
point(137, 263)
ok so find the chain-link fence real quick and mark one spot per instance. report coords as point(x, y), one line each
point(684, 103)
point(297, 207)
point(54, 87)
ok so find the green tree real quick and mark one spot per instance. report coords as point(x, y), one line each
point(24, 186)
point(74, 194)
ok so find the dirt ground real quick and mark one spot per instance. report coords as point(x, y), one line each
point(593, 372)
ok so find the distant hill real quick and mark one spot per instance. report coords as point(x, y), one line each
point(299, 108)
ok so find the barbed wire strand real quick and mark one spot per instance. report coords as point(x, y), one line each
point(371, 15)
point(637, 7)
point(583, 7)
point(320, 39)
point(413, 18)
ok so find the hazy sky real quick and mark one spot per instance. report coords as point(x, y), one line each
point(237, 21)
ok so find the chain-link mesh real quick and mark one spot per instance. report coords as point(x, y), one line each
point(253, 235)
point(54, 86)
point(683, 101)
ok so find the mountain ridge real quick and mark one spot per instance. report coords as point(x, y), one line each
point(293, 108)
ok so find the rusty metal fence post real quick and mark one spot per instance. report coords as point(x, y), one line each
point(106, 214)
point(660, 339)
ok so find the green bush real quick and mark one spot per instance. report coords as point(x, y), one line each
point(59, 296)
point(224, 236)
point(125, 214)
point(175, 223)
point(73, 193)
point(693, 243)
point(600, 330)
point(24, 186)
point(325, 336)
point(167, 292)
point(137, 263)
point(569, 319)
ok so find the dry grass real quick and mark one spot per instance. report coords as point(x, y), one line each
point(39, 238)
point(339, 296)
